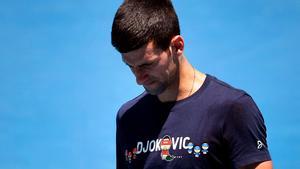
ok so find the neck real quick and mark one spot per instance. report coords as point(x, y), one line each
point(188, 81)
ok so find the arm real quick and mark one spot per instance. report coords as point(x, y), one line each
point(245, 132)
point(260, 165)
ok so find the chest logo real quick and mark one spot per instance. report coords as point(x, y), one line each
point(197, 150)
point(164, 145)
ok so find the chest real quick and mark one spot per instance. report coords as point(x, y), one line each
point(186, 139)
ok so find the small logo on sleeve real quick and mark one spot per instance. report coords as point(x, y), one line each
point(260, 145)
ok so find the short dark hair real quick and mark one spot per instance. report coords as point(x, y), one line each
point(138, 22)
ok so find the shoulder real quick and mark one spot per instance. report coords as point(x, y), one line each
point(231, 96)
point(225, 100)
point(222, 92)
point(224, 88)
point(129, 104)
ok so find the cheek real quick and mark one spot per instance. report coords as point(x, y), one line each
point(158, 74)
point(162, 71)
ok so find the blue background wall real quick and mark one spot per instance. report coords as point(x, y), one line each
point(61, 82)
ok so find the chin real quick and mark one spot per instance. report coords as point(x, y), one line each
point(155, 91)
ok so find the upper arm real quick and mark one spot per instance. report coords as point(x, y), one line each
point(245, 134)
point(260, 165)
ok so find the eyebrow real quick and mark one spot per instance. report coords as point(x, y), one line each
point(141, 65)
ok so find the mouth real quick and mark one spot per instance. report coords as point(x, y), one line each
point(148, 82)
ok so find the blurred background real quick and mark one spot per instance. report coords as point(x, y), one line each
point(61, 81)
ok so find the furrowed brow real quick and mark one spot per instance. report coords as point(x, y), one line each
point(141, 65)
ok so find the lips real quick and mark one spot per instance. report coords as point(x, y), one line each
point(148, 83)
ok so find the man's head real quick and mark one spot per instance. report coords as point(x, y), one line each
point(154, 68)
point(146, 33)
point(137, 22)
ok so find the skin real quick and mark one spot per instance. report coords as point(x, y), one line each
point(260, 165)
point(165, 73)
point(169, 75)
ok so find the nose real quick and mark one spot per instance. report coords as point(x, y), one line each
point(140, 75)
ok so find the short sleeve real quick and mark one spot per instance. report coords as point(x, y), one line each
point(244, 132)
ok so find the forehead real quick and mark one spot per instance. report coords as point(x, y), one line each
point(141, 55)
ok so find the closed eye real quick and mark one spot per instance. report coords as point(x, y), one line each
point(149, 65)
point(146, 66)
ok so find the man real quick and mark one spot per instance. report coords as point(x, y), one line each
point(185, 119)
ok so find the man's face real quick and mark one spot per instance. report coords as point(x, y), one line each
point(153, 68)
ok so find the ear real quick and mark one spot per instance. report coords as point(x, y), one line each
point(177, 44)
